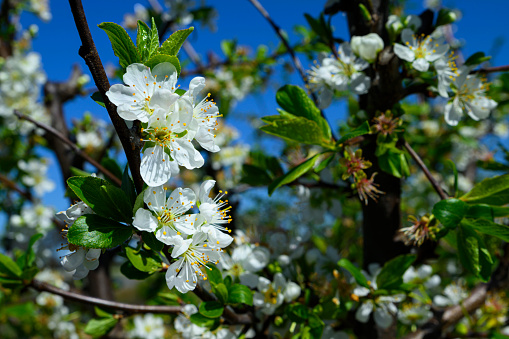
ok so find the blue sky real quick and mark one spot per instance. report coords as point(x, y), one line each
point(58, 43)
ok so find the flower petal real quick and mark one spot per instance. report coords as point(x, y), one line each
point(156, 167)
point(145, 221)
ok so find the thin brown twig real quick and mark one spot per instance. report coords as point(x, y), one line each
point(89, 53)
point(426, 171)
point(14, 187)
point(295, 59)
point(491, 69)
point(126, 308)
point(74, 147)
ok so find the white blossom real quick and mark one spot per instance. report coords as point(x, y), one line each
point(89, 140)
point(367, 46)
point(244, 262)
point(184, 326)
point(193, 255)
point(147, 326)
point(422, 276)
point(420, 50)
point(166, 216)
point(146, 90)
point(414, 314)
point(35, 176)
point(470, 97)
point(271, 295)
point(453, 295)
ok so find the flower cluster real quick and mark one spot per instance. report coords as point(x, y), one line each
point(197, 239)
point(170, 121)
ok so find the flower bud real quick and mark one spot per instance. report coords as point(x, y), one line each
point(446, 16)
point(367, 46)
point(394, 26)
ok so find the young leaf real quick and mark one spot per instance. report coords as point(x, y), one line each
point(144, 261)
point(128, 186)
point(211, 309)
point(142, 40)
point(491, 191)
point(240, 294)
point(488, 227)
point(94, 231)
point(100, 327)
point(294, 100)
point(293, 174)
point(485, 261)
point(128, 270)
point(172, 45)
point(391, 275)
point(221, 292)
point(151, 241)
point(123, 46)
point(138, 203)
point(450, 212)
point(297, 312)
point(477, 59)
point(394, 162)
point(102, 197)
point(214, 275)
point(298, 129)
point(157, 59)
point(97, 97)
point(468, 248)
point(361, 130)
point(8, 267)
point(354, 271)
point(202, 321)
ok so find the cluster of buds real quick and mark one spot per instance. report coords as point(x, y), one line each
point(385, 124)
point(420, 230)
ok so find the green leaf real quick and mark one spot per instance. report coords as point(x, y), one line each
point(123, 46)
point(112, 166)
point(317, 325)
point(354, 271)
point(160, 58)
point(138, 203)
point(450, 211)
point(293, 174)
point(28, 258)
point(101, 313)
point(324, 163)
point(297, 129)
point(214, 275)
point(240, 294)
point(144, 261)
point(294, 100)
point(172, 45)
point(391, 275)
point(477, 59)
point(128, 186)
point(100, 327)
point(151, 241)
point(455, 172)
point(97, 97)
point(221, 292)
point(102, 197)
point(297, 312)
point(147, 40)
point(468, 248)
point(8, 267)
point(485, 261)
point(131, 272)
point(361, 130)
point(94, 231)
point(491, 191)
point(202, 321)
point(394, 162)
point(488, 227)
point(211, 309)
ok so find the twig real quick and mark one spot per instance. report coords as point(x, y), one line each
point(13, 187)
point(285, 42)
point(427, 173)
point(128, 308)
point(491, 69)
point(75, 148)
point(89, 53)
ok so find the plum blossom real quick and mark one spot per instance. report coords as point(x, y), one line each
point(184, 326)
point(166, 216)
point(367, 46)
point(244, 262)
point(383, 305)
point(420, 51)
point(147, 326)
point(271, 295)
point(205, 114)
point(193, 255)
point(422, 276)
point(470, 97)
point(213, 215)
point(453, 295)
point(35, 176)
point(447, 71)
point(146, 90)
point(415, 314)
point(169, 144)
point(339, 74)
point(81, 260)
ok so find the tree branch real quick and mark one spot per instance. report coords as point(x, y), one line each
point(295, 59)
point(89, 53)
point(75, 148)
point(427, 173)
point(13, 187)
point(491, 69)
point(127, 308)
